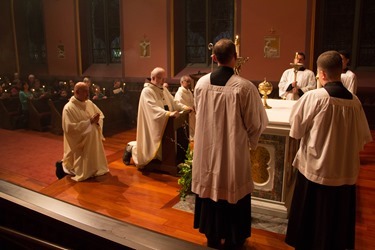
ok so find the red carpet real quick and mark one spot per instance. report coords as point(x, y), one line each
point(31, 153)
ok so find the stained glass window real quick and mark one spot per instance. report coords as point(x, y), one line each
point(207, 21)
point(105, 31)
point(35, 32)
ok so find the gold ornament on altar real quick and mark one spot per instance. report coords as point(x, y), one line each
point(265, 88)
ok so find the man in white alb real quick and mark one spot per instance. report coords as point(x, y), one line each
point(156, 105)
point(82, 123)
point(185, 96)
point(293, 84)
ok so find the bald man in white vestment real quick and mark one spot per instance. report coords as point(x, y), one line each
point(333, 129)
point(291, 88)
point(156, 106)
point(82, 123)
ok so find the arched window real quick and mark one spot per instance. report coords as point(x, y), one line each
point(347, 25)
point(31, 31)
point(104, 31)
point(206, 22)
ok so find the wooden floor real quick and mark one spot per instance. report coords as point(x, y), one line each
point(146, 199)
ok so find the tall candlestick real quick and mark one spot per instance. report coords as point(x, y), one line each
point(296, 58)
point(237, 43)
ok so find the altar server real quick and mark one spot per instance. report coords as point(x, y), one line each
point(156, 105)
point(82, 122)
point(348, 78)
point(230, 118)
point(185, 96)
point(332, 127)
point(295, 82)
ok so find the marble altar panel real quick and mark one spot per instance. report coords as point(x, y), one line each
point(272, 169)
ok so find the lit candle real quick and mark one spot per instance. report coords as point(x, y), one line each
point(103, 91)
point(123, 87)
point(237, 43)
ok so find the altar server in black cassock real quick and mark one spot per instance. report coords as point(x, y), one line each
point(332, 126)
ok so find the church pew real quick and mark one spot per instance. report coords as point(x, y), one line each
point(56, 108)
point(10, 113)
point(39, 114)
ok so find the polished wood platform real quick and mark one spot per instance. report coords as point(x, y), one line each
point(146, 198)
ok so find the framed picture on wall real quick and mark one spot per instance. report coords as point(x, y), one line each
point(61, 51)
point(271, 47)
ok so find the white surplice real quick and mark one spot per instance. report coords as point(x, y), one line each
point(349, 79)
point(306, 81)
point(333, 131)
point(152, 120)
point(84, 154)
point(230, 120)
point(185, 96)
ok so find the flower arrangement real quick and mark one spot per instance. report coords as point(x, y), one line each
point(185, 172)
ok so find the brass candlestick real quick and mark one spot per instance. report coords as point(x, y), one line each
point(296, 67)
point(265, 88)
point(239, 62)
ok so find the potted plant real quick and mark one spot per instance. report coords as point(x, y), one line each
point(185, 173)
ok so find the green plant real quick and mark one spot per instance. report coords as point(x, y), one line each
point(185, 169)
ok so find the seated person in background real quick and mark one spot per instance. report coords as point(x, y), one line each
point(291, 88)
point(348, 78)
point(185, 96)
point(31, 80)
point(70, 88)
point(156, 105)
point(98, 94)
point(117, 90)
point(15, 88)
point(82, 122)
point(64, 97)
point(87, 80)
point(16, 78)
point(3, 94)
point(25, 95)
point(38, 91)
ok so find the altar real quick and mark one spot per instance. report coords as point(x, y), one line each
point(272, 169)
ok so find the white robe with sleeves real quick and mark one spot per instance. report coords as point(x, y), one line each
point(151, 123)
point(185, 96)
point(84, 154)
point(230, 120)
point(333, 131)
point(306, 81)
point(349, 79)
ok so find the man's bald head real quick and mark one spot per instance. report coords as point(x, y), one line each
point(81, 91)
point(158, 76)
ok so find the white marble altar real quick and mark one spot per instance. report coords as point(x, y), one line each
point(272, 172)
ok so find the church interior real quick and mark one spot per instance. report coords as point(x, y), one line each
point(61, 42)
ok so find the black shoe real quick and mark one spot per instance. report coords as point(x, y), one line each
point(126, 157)
point(59, 170)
